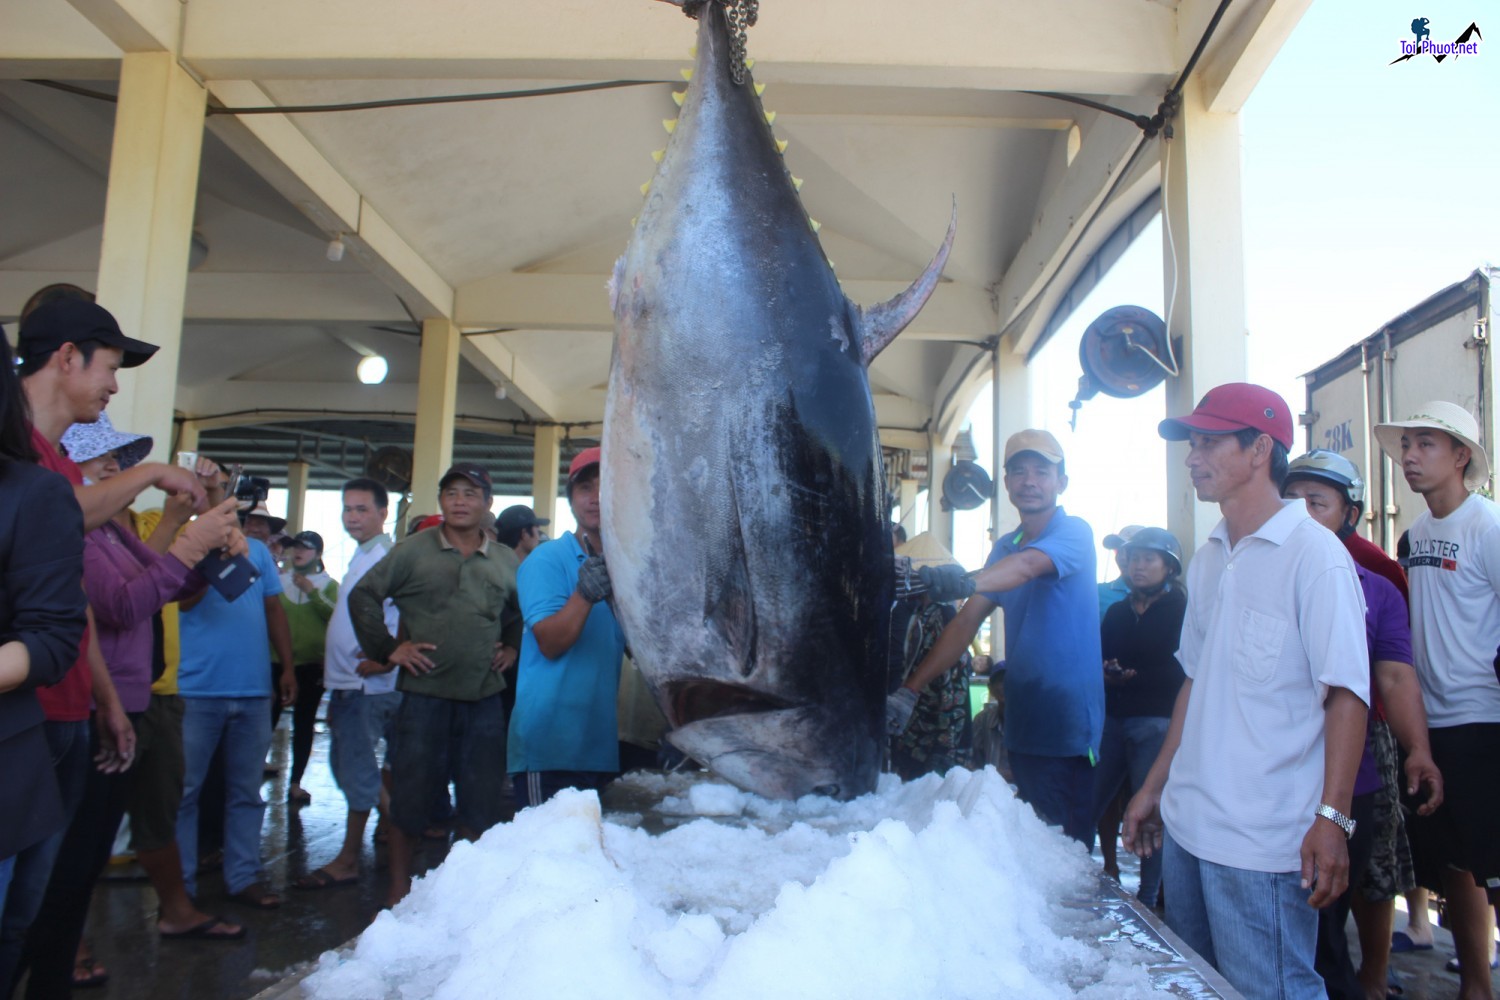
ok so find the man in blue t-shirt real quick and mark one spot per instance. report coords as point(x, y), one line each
point(226, 694)
point(1042, 576)
point(564, 733)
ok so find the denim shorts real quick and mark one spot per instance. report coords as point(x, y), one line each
point(438, 739)
point(358, 722)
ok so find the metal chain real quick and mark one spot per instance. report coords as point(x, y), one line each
point(742, 15)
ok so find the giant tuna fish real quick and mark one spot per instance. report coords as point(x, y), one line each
point(745, 511)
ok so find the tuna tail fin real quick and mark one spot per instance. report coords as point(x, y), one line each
point(879, 325)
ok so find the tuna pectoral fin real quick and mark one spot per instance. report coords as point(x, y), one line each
point(730, 610)
point(879, 325)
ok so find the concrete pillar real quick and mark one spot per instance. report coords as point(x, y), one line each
point(148, 227)
point(939, 521)
point(187, 437)
point(437, 399)
point(296, 495)
point(1012, 412)
point(1204, 232)
point(907, 499)
point(546, 463)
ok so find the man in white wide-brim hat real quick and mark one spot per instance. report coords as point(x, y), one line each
point(1454, 573)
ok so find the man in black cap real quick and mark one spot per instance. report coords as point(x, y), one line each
point(70, 350)
point(521, 529)
point(457, 596)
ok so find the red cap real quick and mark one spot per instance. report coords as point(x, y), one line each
point(1234, 406)
point(581, 461)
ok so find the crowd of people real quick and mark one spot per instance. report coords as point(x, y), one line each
point(1305, 732)
point(1291, 727)
point(145, 659)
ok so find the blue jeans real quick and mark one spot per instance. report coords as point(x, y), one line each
point(69, 744)
point(358, 722)
point(1060, 789)
point(1254, 927)
point(1127, 751)
point(243, 726)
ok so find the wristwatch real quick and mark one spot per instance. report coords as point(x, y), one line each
point(1337, 818)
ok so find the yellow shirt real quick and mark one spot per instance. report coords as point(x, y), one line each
point(145, 523)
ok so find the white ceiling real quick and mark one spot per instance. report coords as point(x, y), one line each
point(509, 214)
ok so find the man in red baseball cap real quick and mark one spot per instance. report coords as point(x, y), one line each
point(1249, 799)
point(570, 656)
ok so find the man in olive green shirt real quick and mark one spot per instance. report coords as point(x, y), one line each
point(460, 632)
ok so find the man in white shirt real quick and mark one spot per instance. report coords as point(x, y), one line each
point(362, 694)
point(1255, 779)
point(1454, 571)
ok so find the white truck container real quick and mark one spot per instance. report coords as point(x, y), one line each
point(1439, 349)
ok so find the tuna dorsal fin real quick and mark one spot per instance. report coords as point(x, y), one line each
point(878, 325)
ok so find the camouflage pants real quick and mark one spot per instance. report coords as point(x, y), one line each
point(1389, 873)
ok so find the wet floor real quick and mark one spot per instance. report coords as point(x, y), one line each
point(296, 840)
point(1422, 974)
point(143, 967)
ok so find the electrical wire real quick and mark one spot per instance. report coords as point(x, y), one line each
point(397, 102)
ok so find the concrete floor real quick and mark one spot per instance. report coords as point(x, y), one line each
point(1421, 973)
point(296, 840)
point(142, 967)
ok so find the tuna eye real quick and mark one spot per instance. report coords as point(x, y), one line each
point(832, 791)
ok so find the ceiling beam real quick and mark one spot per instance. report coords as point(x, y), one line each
point(1138, 185)
point(1094, 46)
point(279, 152)
point(235, 399)
point(236, 297)
point(135, 25)
point(1064, 217)
point(580, 302)
point(1242, 49)
point(496, 362)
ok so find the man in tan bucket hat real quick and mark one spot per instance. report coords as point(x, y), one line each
point(1454, 573)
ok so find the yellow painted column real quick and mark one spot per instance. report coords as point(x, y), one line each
point(1204, 244)
point(148, 226)
point(939, 521)
point(907, 498)
point(296, 495)
point(546, 465)
point(1011, 412)
point(437, 399)
point(187, 438)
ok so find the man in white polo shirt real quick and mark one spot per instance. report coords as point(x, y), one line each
point(1454, 569)
point(362, 694)
point(1256, 776)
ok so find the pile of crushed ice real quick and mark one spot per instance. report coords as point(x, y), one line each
point(943, 887)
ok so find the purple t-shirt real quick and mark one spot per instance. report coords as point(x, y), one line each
point(1389, 638)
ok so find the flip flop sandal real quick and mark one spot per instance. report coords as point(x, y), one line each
point(88, 974)
point(258, 896)
point(1402, 942)
point(204, 932)
point(322, 878)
